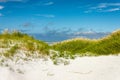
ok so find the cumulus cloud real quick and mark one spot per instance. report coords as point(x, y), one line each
point(1, 7)
point(46, 15)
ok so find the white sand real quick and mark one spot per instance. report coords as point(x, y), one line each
point(85, 68)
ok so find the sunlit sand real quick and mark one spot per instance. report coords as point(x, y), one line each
point(82, 68)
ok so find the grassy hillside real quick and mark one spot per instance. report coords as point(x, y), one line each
point(105, 46)
point(15, 42)
point(12, 42)
point(18, 46)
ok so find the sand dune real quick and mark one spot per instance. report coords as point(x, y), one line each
point(82, 68)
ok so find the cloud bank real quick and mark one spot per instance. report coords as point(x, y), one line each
point(55, 35)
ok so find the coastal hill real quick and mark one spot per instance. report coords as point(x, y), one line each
point(15, 42)
point(87, 47)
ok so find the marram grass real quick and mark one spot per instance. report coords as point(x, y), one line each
point(105, 46)
point(14, 41)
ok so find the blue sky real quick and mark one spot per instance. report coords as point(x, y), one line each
point(40, 16)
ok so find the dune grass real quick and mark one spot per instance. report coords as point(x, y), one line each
point(16, 40)
point(86, 47)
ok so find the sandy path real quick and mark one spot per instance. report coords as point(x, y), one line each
point(85, 68)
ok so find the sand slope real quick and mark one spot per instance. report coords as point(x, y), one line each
point(82, 68)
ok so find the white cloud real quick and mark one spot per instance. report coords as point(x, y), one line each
point(104, 7)
point(113, 9)
point(51, 34)
point(49, 3)
point(1, 7)
point(46, 15)
point(113, 4)
point(99, 6)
